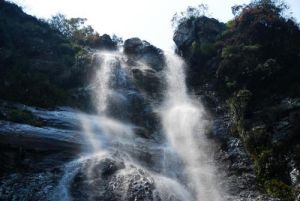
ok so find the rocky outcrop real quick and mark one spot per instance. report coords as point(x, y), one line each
point(138, 50)
point(146, 63)
point(184, 35)
point(105, 43)
point(235, 164)
point(32, 139)
point(110, 179)
point(200, 30)
point(195, 40)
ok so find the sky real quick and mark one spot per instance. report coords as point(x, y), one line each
point(149, 20)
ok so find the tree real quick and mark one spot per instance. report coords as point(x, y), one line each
point(74, 29)
point(236, 9)
point(189, 14)
point(59, 22)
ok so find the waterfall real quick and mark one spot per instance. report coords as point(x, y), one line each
point(102, 79)
point(118, 164)
point(184, 123)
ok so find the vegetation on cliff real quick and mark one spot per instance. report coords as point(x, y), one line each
point(252, 64)
point(41, 62)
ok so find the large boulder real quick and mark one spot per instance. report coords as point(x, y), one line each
point(110, 179)
point(207, 29)
point(105, 42)
point(201, 30)
point(138, 50)
point(184, 34)
point(133, 46)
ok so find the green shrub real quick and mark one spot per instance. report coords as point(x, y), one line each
point(230, 24)
point(256, 141)
point(279, 189)
point(207, 49)
point(231, 51)
point(262, 163)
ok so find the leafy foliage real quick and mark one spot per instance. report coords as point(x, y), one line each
point(76, 30)
point(188, 15)
point(41, 62)
point(252, 65)
point(279, 189)
point(35, 59)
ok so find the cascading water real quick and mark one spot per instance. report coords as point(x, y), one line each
point(118, 164)
point(184, 124)
point(102, 79)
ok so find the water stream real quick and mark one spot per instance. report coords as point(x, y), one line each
point(185, 126)
point(119, 164)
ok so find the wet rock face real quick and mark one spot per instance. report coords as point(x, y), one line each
point(34, 187)
point(133, 46)
point(110, 179)
point(92, 180)
point(234, 162)
point(136, 49)
point(105, 42)
point(133, 95)
point(149, 82)
point(39, 155)
point(241, 182)
point(32, 140)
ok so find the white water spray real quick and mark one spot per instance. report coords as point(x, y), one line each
point(184, 124)
point(102, 79)
point(110, 139)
